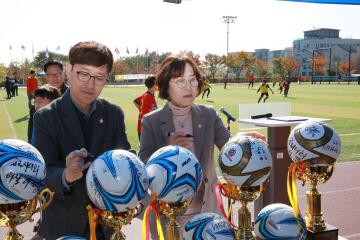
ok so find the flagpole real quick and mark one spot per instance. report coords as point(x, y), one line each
point(10, 52)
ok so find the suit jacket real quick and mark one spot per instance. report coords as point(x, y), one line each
point(57, 133)
point(208, 130)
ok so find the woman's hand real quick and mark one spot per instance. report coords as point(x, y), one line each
point(179, 138)
point(256, 135)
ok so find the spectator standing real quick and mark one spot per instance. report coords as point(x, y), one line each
point(146, 102)
point(8, 87)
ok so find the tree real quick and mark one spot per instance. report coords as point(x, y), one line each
point(318, 64)
point(213, 63)
point(262, 67)
point(42, 57)
point(195, 57)
point(120, 67)
point(3, 72)
point(290, 66)
point(344, 67)
point(240, 62)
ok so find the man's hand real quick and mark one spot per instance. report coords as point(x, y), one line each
point(75, 165)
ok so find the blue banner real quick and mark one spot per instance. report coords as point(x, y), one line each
point(350, 2)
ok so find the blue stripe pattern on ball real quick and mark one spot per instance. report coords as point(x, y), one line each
point(263, 219)
point(199, 226)
point(107, 158)
point(6, 153)
point(171, 168)
point(135, 186)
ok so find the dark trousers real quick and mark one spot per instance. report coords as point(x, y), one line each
point(208, 92)
point(251, 83)
point(261, 96)
point(8, 93)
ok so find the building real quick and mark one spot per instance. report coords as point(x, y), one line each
point(324, 41)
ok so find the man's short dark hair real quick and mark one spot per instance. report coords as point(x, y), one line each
point(47, 91)
point(150, 82)
point(32, 71)
point(91, 53)
point(53, 63)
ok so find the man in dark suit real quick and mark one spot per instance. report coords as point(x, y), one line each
point(71, 129)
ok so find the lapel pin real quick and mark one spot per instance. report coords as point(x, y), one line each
point(199, 126)
point(101, 120)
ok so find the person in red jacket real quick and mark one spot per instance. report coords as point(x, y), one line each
point(32, 84)
point(146, 102)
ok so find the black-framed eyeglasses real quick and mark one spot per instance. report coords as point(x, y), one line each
point(54, 75)
point(85, 77)
point(181, 82)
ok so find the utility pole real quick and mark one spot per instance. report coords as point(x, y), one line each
point(228, 20)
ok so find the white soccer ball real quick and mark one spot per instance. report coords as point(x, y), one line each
point(71, 238)
point(117, 181)
point(174, 173)
point(22, 170)
point(277, 221)
point(314, 143)
point(208, 226)
point(245, 161)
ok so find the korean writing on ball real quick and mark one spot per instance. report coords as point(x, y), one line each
point(29, 166)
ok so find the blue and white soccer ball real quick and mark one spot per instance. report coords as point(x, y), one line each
point(71, 238)
point(175, 174)
point(277, 221)
point(22, 171)
point(208, 226)
point(117, 181)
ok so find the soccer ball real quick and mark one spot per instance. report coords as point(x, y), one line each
point(71, 238)
point(277, 221)
point(174, 173)
point(22, 170)
point(314, 143)
point(245, 161)
point(206, 226)
point(117, 181)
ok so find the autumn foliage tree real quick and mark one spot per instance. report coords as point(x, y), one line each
point(290, 66)
point(261, 67)
point(241, 62)
point(318, 64)
point(344, 67)
point(213, 63)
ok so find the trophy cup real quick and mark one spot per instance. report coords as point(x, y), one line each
point(176, 176)
point(113, 220)
point(245, 163)
point(314, 148)
point(13, 214)
point(171, 211)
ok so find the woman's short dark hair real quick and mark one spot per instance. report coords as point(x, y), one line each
point(91, 53)
point(174, 67)
point(53, 63)
point(47, 91)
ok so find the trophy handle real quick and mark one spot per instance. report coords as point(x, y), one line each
point(44, 197)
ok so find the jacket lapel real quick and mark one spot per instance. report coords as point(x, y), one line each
point(71, 121)
point(166, 122)
point(99, 122)
point(198, 122)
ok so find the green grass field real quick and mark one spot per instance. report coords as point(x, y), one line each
point(341, 103)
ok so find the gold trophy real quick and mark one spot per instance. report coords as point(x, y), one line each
point(113, 220)
point(171, 211)
point(14, 214)
point(314, 148)
point(245, 163)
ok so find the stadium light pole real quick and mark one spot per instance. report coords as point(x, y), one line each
point(228, 20)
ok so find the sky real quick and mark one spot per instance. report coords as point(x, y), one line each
point(193, 25)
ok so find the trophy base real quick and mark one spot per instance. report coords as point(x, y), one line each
point(329, 233)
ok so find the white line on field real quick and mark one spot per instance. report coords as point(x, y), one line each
point(349, 134)
point(9, 120)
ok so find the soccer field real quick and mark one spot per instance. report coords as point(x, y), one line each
point(341, 103)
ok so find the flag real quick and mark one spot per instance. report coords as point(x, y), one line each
point(32, 50)
point(137, 50)
point(10, 47)
point(47, 52)
point(117, 51)
point(23, 47)
point(58, 48)
point(127, 50)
